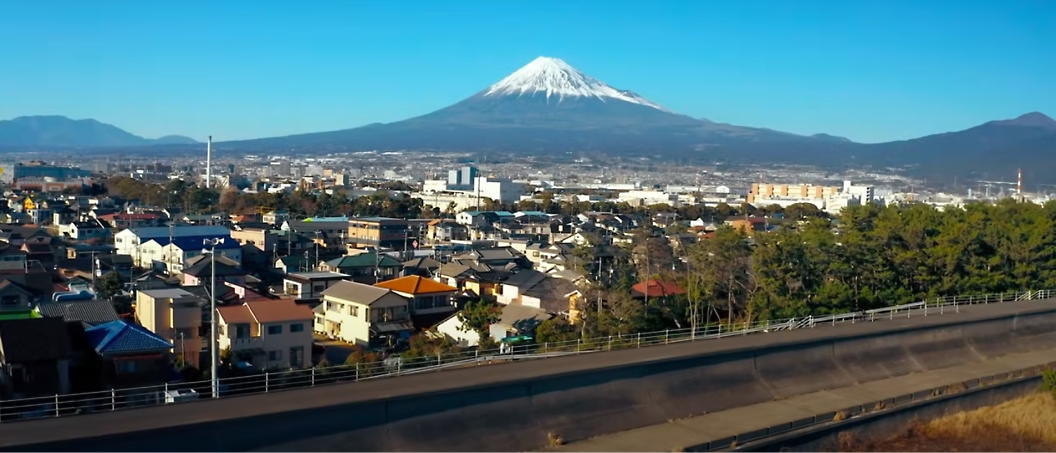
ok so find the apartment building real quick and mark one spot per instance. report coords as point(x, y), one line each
point(383, 232)
point(176, 316)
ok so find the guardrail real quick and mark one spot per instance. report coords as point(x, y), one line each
point(174, 393)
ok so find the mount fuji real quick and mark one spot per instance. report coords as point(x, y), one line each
point(549, 106)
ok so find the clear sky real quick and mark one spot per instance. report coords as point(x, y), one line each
point(868, 70)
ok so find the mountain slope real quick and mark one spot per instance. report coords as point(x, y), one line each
point(546, 106)
point(60, 131)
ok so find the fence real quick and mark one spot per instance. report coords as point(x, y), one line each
point(110, 400)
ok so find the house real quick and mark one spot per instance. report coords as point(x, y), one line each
point(34, 358)
point(748, 225)
point(535, 289)
point(124, 220)
point(426, 296)
point(293, 263)
point(189, 242)
point(83, 231)
point(422, 265)
point(365, 267)
point(33, 278)
point(446, 230)
point(132, 355)
point(15, 297)
point(258, 235)
point(271, 334)
point(514, 321)
point(105, 264)
point(176, 315)
point(363, 314)
point(379, 232)
point(90, 312)
point(656, 288)
point(200, 271)
point(479, 279)
point(664, 219)
point(495, 257)
point(482, 218)
point(309, 286)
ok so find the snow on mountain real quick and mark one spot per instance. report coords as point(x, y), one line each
point(556, 78)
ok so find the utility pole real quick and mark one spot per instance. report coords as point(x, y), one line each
point(213, 353)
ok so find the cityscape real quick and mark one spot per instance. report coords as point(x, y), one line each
point(544, 262)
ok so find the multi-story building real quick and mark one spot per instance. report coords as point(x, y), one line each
point(177, 316)
point(362, 314)
point(186, 241)
point(383, 232)
point(272, 334)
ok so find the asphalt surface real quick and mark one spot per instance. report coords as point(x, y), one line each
point(26, 433)
point(677, 435)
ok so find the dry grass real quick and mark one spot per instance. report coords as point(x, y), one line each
point(1024, 424)
point(840, 416)
point(555, 439)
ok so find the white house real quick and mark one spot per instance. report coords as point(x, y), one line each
point(186, 237)
point(514, 320)
point(172, 257)
point(362, 314)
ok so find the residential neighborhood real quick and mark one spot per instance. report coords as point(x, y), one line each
point(115, 293)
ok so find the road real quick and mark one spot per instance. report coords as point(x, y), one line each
point(126, 429)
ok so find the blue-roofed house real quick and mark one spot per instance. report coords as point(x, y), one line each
point(173, 257)
point(132, 355)
point(134, 241)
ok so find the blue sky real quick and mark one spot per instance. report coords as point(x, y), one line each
point(868, 70)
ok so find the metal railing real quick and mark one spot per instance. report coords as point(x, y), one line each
point(175, 393)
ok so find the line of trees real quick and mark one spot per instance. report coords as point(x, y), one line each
point(194, 199)
point(867, 257)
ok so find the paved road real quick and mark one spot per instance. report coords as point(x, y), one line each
point(678, 435)
point(127, 422)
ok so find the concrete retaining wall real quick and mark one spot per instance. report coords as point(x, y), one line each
point(518, 416)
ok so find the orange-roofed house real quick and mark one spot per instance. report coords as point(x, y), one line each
point(427, 296)
point(656, 288)
point(269, 334)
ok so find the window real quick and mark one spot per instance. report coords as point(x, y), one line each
point(274, 356)
point(354, 311)
point(11, 301)
point(274, 330)
point(296, 327)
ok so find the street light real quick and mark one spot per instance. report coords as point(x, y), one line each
point(213, 353)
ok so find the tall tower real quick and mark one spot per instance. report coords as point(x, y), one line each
point(209, 162)
point(1019, 183)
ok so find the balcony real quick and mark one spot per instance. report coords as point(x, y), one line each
point(246, 343)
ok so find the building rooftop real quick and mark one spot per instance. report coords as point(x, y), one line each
point(167, 293)
point(415, 284)
point(316, 275)
point(356, 292)
point(119, 337)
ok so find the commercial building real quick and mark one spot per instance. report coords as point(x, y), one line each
point(382, 232)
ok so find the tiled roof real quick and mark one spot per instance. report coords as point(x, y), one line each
point(27, 340)
point(363, 260)
point(656, 288)
point(422, 262)
point(415, 284)
point(356, 292)
point(121, 337)
point(235, 314)
point(204, 268)
point(279, 311)
point(92, 312)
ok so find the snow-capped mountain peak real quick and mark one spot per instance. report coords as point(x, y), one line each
point(556, 78)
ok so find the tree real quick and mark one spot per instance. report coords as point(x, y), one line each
point(555, 331)
point(478, 316)
point(109, 285)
